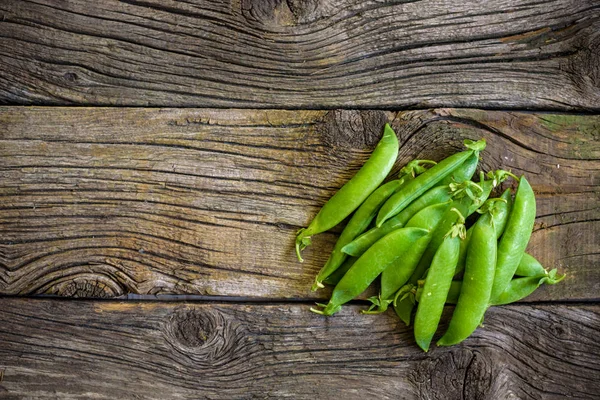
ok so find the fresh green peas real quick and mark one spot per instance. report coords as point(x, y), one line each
point(368, 267)
point(396, 275)
point(437, 284)
point(529, 266)
point(477, 283)
point(515, 237)
point(423, 182)
point(358, 223)
point(436, 195)
point(355, 191)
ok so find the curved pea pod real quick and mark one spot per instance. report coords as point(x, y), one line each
point(368, 266)
point(355, 191)
point(529, 266)
point(425, 181)
point(516, 236)
point(464, 172)
point(358, 223)
point(436, 195)
point(500, 212)
point(436, 287)
point(396, 275)
point(519, 288)
point(477, 283)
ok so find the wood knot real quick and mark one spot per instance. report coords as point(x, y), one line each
point(584, 66)
point(84, 286)
point(353, 129)
point(70, 76)
point(206, 335)
point(462, 372)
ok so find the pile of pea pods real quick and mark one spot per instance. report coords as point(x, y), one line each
point(410, 233)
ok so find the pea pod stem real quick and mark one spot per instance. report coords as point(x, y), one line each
point(354, 192)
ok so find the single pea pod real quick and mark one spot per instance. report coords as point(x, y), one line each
point(515, 238)
point(368, 267)
point(355, 191)
point(437, 284)
point(517, 289)
point(396, 275)
point(464, 172)
point(529, 266)
point(358, 223)
point(477, 283)
point(425, 181)
point(436, 195)
point(500, 212)
point(339, 273)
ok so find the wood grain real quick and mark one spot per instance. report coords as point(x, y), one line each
point(104, 202)
point(523, 54)
point(107, 350)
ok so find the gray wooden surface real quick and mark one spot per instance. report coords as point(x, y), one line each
point(302, 53)
point(108, 350)
point(173, 226)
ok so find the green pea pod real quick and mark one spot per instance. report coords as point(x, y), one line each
point(425, 181)
point(355, 191)
point(464, 172)
point(520, 288)
point(529, 266)
point(396, 275)
point(368, 267)
point(437, 284)
point(436, 195)
point(516, 236)
point(339, 273)
point(499, 216)
point(477, 283)
point(517, 289)
point(358, 223)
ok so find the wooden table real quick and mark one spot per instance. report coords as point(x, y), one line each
point(157, 158)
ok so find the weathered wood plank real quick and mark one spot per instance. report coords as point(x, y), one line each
point(103, 202)
point(302, 54)
point(107, 350)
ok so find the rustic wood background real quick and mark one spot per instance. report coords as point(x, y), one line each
point(174, 226)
